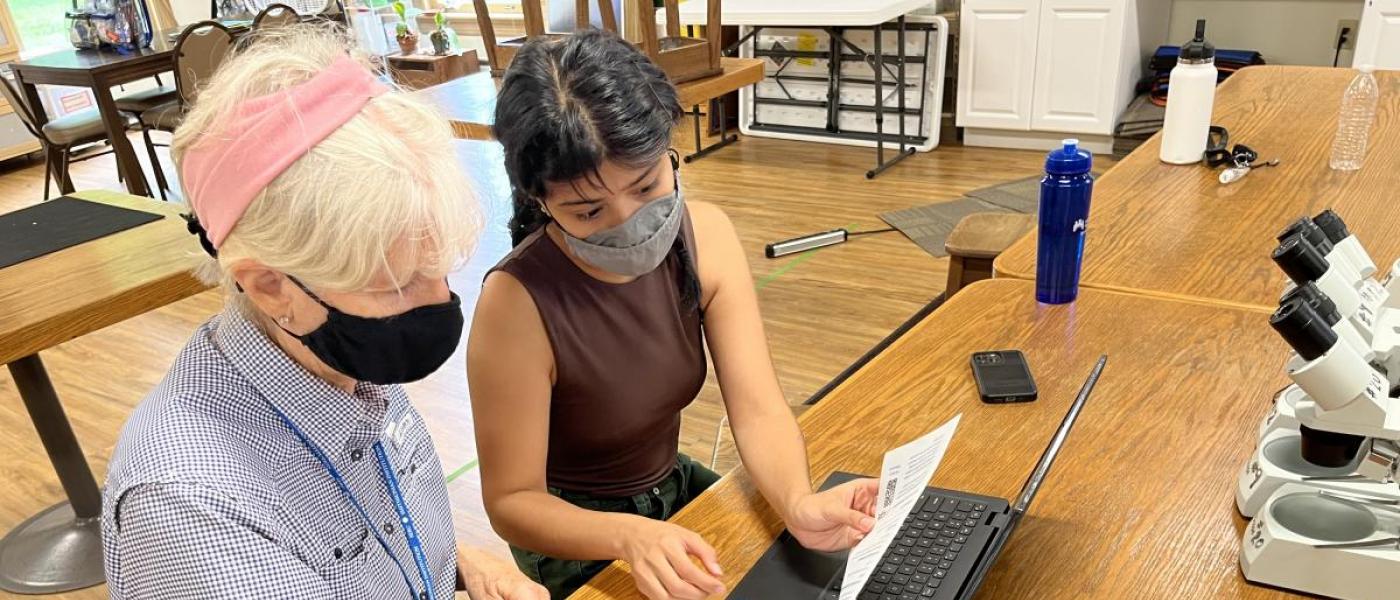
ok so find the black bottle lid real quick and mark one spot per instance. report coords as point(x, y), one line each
point(1320, 302)
point(1303, 329)
point(1332, 225)
point(1198, 50)
point(1300, 260)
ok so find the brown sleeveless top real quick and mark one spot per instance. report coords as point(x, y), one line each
point(627, 359)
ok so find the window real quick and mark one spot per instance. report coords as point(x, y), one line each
point(41, 25)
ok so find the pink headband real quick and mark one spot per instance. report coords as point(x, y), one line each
point(223, 172)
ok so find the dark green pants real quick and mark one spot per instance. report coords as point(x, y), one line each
point(563, 577)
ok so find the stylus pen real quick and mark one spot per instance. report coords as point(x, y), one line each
point(1041, 469)
point(815, 240)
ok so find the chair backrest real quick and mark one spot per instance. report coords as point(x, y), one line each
point(16, 100)
point(534, 23)
point(276, 15)
point(334, 10)
point(202, 47)
point(655, 48)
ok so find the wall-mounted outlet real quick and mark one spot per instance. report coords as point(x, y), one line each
point(1351, 26)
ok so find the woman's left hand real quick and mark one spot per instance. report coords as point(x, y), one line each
point(490, 578)
point(837, 518)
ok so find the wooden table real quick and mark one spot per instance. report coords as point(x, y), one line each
point(1174, 231)
point(419, 71)
point(1140, 502)
point(470, 102)
point(55, 298)
point(98, 70)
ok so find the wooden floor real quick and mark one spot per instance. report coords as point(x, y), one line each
point(822, 310)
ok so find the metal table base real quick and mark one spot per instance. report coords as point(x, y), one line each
point(59, 549)
point(877, 60)
point(725, 138)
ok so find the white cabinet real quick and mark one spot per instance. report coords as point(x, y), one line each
point(1032, 72)
point(996, 68)
point(1378, 42)
point(1077, 60)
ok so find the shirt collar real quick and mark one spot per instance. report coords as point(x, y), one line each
point(331, 418)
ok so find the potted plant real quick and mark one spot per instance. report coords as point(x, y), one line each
point(442, 44)
point(406, 37)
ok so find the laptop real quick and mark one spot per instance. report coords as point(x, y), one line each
point(942, 552)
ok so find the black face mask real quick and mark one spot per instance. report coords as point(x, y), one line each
point(396, 349)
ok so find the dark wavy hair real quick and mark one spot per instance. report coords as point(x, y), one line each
point(568, 105)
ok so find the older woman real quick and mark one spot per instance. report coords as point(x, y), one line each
point(280, 457)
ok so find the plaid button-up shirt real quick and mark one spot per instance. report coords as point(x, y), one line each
point(210, 495)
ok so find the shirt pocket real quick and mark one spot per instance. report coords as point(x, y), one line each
point(344, 561)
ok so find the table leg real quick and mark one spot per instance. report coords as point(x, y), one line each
point(116, 131)
point(902, 55)
point(725, 139)
point(60, 548)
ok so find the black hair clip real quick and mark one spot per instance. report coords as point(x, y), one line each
point(192, 224)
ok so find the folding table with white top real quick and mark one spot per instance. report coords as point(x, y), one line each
point(842, 21)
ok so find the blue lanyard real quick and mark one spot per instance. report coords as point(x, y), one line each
point(386, 471)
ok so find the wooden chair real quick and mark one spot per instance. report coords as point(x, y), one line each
point(976, 241)
point(59, 137)
point(202, 47)
point(500, 54)
point(682, 58)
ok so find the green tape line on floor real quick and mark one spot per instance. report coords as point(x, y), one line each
point(461, 471)
point(767, 279)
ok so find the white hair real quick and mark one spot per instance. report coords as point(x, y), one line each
point(386, 182)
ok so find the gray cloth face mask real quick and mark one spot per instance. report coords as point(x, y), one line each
point(638, 245)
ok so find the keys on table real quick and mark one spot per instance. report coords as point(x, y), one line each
point(1243, 168)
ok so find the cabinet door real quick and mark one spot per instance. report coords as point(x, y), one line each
point(996, 63)
point(1077, 58)
point(1378, 42)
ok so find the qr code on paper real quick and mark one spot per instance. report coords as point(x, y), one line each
point(889, 491)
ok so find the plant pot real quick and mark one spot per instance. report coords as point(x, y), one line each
point(408, 44)
point(441, 43)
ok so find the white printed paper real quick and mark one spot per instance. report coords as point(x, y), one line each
point(903, 477)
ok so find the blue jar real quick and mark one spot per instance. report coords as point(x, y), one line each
point(1064, 217)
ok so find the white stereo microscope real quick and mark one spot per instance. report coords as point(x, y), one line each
point(1321, 485)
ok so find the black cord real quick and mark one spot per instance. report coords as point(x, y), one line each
point(1341, 41)
point(871, 232)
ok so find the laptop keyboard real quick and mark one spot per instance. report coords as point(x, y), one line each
point(931, 540)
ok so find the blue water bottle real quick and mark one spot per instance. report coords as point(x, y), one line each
point(1064, 215)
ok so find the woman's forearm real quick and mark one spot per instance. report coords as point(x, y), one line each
point(540, 522)
point(775, 454)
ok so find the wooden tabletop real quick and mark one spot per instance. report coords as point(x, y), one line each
point(73, 59)
point(1140, 502)
point(469, 103)
point(1174, 231)
point(54, 298)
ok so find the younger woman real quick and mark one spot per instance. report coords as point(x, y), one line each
point(590, 337)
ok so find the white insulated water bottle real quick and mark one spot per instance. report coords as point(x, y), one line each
point(1190, 97)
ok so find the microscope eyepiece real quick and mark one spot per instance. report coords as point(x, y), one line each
point(1328, 448)
point(1307, 332)
point(1293, 228)
point(1310, 231)
point(1314, 297)
point(1332, 225)
point(1299, 259)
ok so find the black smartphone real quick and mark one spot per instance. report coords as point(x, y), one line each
point(1003, 376)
